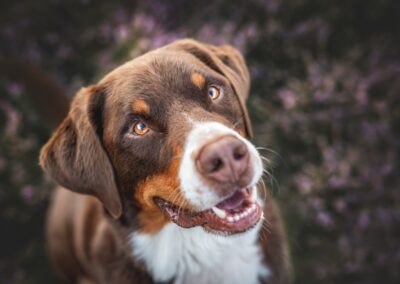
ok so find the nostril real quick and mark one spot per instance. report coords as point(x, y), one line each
point(237, 156)
point(239, 152)
point(215, 165)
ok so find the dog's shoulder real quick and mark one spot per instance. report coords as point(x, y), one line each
point(84, 243)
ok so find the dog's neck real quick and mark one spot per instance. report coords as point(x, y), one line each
point(187, 254)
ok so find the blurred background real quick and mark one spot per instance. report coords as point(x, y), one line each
point(324, 102)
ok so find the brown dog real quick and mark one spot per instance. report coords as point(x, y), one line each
point(162, 185)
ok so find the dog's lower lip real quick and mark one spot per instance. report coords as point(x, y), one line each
point(223, 218)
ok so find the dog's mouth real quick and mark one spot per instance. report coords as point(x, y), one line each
point(236, 214)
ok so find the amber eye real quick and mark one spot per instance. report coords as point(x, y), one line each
point(140, 129)
point(214, 92)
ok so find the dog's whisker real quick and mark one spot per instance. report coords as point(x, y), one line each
point(180, 207)
point(275, 154)
point(269, 150)
point(265, 159)
point(272, 181)
point(264, 190)
point(268, 173)
point(176, 196)
point(173, 193)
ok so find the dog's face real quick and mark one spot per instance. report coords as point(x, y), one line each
point(164, 134)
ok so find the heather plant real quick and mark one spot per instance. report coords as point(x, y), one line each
point(324, 103)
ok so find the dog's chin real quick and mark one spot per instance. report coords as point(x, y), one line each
point(236, 214)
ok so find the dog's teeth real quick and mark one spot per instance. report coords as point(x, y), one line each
point(236, 217)
point(230, 219)
point(219, 212)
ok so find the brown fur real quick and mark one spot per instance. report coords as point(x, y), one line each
point(274, 243)
point(113, 177)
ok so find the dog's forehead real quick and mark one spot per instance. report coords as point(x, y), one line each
point(158, 72)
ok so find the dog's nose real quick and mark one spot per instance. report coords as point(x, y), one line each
point(223, 160)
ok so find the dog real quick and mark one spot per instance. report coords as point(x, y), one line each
point(159, 182)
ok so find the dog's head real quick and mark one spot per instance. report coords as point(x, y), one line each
point(165, 134)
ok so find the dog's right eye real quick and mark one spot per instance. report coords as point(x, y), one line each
point(140, 129)
point(214, 92)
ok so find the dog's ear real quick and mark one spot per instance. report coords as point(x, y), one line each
point(227, 61)
point(75, 156)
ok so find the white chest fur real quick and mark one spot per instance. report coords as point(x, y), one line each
point(188, 254)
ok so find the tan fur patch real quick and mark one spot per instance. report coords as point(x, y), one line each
point(198, 80)
point(141, 107)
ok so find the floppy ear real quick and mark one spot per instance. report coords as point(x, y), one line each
point(75, 156)
point(227, 61)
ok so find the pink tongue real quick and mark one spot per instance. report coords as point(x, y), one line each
point(232, 202)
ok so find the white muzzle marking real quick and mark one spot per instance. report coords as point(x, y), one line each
point(193, 188)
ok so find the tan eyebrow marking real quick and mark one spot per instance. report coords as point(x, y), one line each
point(141, 107)
point(198, 80)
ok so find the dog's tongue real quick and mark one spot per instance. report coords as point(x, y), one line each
point(232, 202)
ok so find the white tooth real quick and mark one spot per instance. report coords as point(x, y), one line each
point(236, 217)
point(219, 212)
point(253, 207)
point(243, 215)
point(230, 219)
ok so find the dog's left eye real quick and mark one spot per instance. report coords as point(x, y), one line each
point(214, 92)
point(140, 129)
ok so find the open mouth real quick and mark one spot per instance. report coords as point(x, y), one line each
point(238, 213)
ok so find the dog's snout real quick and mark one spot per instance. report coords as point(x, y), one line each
point(223, 160)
